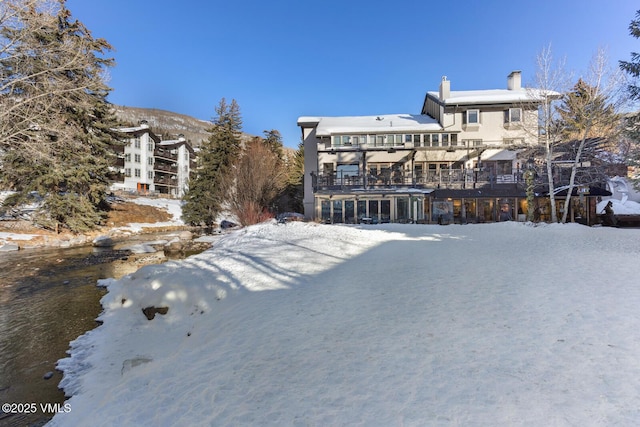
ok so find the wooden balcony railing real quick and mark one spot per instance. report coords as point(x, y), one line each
point(164, 154)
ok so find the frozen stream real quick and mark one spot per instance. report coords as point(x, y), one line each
point(49, 297)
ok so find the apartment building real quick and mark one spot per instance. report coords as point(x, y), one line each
point(456, 161)
point(150, 165)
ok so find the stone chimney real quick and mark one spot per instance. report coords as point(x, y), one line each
point(445, 88)
point(514, 80)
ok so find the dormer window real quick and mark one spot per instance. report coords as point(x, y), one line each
point(513, 115)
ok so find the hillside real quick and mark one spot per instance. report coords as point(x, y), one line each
point(167, 124)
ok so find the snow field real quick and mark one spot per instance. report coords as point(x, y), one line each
point(305, 324)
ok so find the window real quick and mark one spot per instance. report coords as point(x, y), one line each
point(435, 140)
point(394, 140)
point(504, 167)
point(150, 146)
point(472, 142)
point(337, 211)
point(513, 115)
point(127, 157)
point(454, 139)
point(362, 208)
point(417, 171)
point(346, 141)
point(150, 174)
point(402, 208)
point(385, 210)
point(445, 139)
point(137, 172)
point(150, 161)
point(347, 171)
point(514, 141)
point(137, 158)
point(325, 211)
point(407, 138)
point(137, 142)
point(373, 211)
point(127, 172)
point(472, 117)
point(416, 140)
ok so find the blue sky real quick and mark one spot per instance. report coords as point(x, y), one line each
point(288, 58)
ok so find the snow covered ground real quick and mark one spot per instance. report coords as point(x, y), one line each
point(318, 325)
point(628, 207)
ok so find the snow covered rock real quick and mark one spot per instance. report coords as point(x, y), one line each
point(140, 249)
point(103, 242)
point(185, 235)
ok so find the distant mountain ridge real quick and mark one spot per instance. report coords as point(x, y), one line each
point(168, 124)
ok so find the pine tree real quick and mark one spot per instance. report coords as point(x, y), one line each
point(633, 67)
point(273, 140)
point(588, 111)
point(55, 123)
point(295, 180)
point(632, 128)
point(208, 190)
point(585, 113)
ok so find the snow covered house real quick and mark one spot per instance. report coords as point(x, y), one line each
point(151, 165)
point(457, 161)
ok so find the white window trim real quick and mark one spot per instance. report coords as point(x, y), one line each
point(477, 122)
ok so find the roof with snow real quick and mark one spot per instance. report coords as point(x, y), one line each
point(493, 96)
point(133, 129)
point(326, 126)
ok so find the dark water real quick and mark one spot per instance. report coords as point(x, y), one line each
point(47, 298)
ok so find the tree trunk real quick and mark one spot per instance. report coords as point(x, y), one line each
point(574, 168)
point(552, 196)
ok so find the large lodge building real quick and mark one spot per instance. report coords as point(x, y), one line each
point(460, 160)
